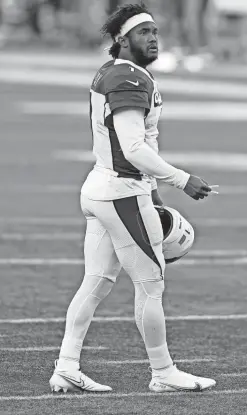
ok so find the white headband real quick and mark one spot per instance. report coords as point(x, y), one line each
point(133, 22)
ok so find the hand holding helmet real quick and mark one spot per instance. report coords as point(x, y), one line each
point(178, 233)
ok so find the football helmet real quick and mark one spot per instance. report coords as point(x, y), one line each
point(178, 234)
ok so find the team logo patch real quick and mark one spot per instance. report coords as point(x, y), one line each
point(157, 99)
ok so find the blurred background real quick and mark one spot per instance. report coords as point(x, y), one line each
point(193, 33)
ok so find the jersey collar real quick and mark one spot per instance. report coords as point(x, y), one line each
point(121, 61)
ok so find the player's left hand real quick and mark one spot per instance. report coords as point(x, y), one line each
point(157, 201)
point(197, 188)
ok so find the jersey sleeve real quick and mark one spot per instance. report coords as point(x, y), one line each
point(127, 89)
point(151, 139)
point(140, 154)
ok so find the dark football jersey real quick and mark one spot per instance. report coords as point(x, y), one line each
point(120, 84)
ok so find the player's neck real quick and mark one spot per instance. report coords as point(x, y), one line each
point(131, 58)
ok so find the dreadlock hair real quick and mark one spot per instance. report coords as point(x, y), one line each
point(114, 23)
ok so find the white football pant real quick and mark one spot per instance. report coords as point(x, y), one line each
point(121, 233)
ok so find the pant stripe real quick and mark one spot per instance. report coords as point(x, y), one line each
point(129, 213)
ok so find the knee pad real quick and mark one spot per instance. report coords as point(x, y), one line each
point(148, 309)
point(96, 286)
point(150, 289)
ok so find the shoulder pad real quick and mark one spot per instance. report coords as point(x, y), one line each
point(126, 77)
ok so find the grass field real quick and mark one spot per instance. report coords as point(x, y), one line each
point(41, 267)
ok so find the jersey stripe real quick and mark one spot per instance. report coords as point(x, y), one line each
point(129, 212)
point(122, 166)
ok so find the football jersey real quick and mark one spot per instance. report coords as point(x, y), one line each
point(118, 84)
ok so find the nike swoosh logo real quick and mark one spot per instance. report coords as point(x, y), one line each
point(133, 83)
point(197, 387)
point(80, 384)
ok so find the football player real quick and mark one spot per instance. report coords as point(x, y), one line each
point(118, 197)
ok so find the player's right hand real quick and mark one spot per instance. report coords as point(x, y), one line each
point(197, 188)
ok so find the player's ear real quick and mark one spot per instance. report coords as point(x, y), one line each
point(123, 41)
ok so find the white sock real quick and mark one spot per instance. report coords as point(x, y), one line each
point(151, 323)
point(79, 316)
point(159, 357)
point(164, 372)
